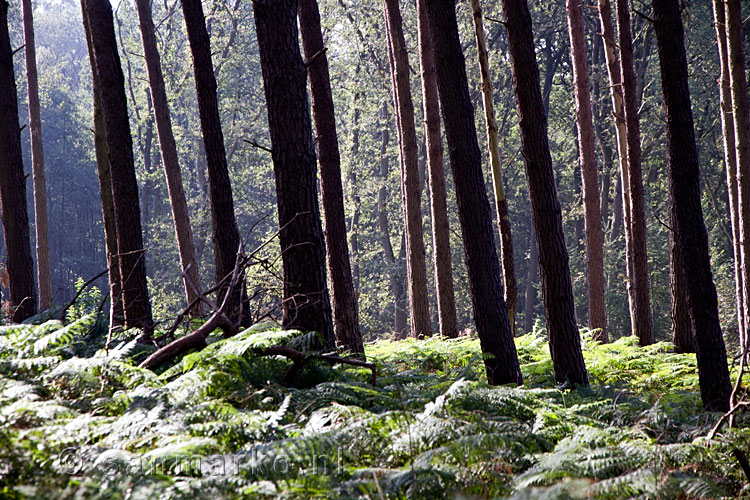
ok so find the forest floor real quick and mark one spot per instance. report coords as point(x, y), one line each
point(80, 420)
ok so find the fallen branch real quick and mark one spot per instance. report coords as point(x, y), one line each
point(299, 359)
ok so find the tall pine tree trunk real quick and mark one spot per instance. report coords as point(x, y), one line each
point(226, 235)
point(44, 279)
point(116, 315)
point(307, 304)
point(682, 330)
point(131, 254)
point(493, 144)
point(557, 291)
point(642, 303)
point(345, 317)
point(436, 175)
point(419, 313)
point(485, 286)
point(690, 231)
point(13, 186)
point(172, 172)
point(589, 175)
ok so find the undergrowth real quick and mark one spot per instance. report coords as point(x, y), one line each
point(79, 419)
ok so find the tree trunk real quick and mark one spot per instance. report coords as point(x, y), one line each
point(44, 278)
point(13, 186)
point(531, 277)
point(345, 317)
point(419, 313)
point(589, 175)
point(690, 231)
point(616, 93)
point(226, 235)
point(131, 254)
point(730, 156)
point(354, 192)
point(436, 175)
point(742, 137)
point(183, 231)
point(116, 314)
point(642, 304)
point(557, 291)
point(485, 286)
point(493, 144)
point(306, 301)
point(683, 336)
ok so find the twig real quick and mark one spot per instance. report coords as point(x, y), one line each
point(315, 56)
point(256, 145)
point(80, 291)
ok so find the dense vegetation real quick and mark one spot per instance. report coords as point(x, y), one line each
point(80, 420)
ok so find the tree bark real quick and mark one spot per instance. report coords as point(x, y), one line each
point(344, 303)
point(690, 231)
point(41, 225)
point(683, 337)
point(490, 314)
point(642, 303)
point(730, 156)
point(306, 301)
point(436, 176)
point(354, 191)
point(226, 235)
point(172, 172)
point(13, 186)
point(557, 291)
point(589, 175)
point(131, 254)
point(419, 314)
point(116, 314)
point(493, 144)
point(741, 117)
point(531, 277)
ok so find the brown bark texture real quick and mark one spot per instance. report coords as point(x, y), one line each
point(343, 299)
point(307, 304)
point(690, 230)
point(557, 291)
point(683, 337)
point(15, 217)
point(485, 286)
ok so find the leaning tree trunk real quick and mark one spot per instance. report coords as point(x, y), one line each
point(642, 304)
point(742, 137)
point(131, 254)
point(37, 162)
point(436, 176)
point(730, 156)
point(589, 176)
point(690, 231)
point(557, 290)
point(410, 192)
point(116, 314)
point(183, 231)
point(306, 301)
point(226, 235)
point(493, 144)
point(345, 318)
point(13, 186)
point(486, 289)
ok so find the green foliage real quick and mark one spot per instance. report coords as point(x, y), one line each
point(223, 423)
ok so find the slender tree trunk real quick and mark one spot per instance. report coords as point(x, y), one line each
point(131, 254)
point(354, 192)
point(345, 317)
point(557, 291)
point(730, 156)
point(742, 137)
point(183, 231)
point(116, 314)
point(44, 278)
point(616, 93)
point(485, 286)
point(493, 144)
point(436, 175)
point(589, 174)
point(642, 304)
point(13, 186)
point(226, 235)
point(415, 253)
point(531, 277)
point(690, 231)
point(306, 301)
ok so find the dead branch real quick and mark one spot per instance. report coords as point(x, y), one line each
point(78, 294)
point(299, 359)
